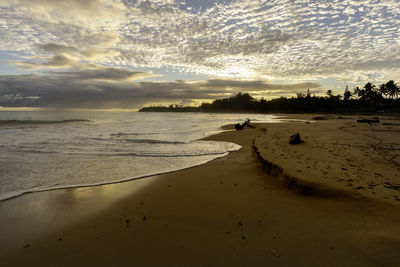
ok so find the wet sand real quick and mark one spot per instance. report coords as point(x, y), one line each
point(229, 212)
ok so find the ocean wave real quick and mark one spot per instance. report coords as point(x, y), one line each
point(127, 134)
point(123, 153)
point(168, 155)
point(11, 195)
point(24, 122)
point(153, 141)
point(130, 140)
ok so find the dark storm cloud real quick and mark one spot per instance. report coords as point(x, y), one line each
point(85, 90)
point(57, 61)
point(68, 56)
point(112, 74)
point(57, 48)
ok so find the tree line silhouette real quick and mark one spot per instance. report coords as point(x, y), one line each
point(369, 98)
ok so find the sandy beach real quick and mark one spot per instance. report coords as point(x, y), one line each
point(332, 200)
point(337, 154)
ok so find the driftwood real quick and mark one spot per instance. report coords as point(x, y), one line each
point(239, 126)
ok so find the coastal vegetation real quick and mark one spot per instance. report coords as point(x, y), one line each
point(369, 98)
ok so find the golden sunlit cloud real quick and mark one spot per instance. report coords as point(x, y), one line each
point(84, 43)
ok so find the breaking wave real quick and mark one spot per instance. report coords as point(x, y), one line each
point(24, 122)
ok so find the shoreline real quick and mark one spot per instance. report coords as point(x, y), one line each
point(222, 129)
point(227, 212)
point(38, 190)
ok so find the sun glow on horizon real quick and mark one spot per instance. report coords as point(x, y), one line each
point(120, 55)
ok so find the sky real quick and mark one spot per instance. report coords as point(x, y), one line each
point(125, 54)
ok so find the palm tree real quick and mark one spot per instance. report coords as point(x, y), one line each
point(300, 95)
point(382, 89)
point(346, 94)
point(358, 92)
point(392, 89)
point(370, 92)
point(329, 93)
point(308, 93)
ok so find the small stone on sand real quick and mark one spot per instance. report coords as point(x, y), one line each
point(274, 252)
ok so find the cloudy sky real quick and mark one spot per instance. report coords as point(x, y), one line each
point(130, 53)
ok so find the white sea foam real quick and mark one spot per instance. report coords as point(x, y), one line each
point(44, 151)
point(15, 194)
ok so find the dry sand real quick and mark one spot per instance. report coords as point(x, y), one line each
point(339, 153)
point(229, 212)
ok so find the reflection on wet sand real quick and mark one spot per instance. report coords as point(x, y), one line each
point(35, 215)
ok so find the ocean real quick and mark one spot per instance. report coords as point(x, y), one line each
point(44, 150)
